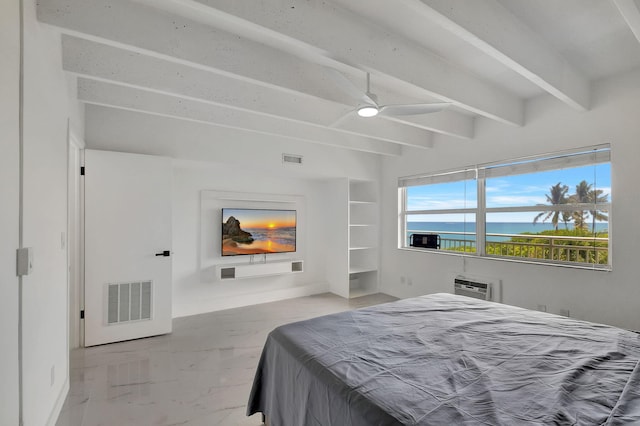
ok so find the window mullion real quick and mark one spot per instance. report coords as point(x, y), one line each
point(442, 211)
point(402, 232)
point(549, 208)
point(481, 217)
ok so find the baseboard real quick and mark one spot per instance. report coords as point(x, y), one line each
point(57, 408)
point(239, 301)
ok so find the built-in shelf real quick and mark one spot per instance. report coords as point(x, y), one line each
point(252, 270)
point(363, 238)
point(361, 269)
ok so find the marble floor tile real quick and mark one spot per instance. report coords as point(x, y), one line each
point(200, 374)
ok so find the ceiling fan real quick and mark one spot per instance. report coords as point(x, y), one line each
point(368, 105)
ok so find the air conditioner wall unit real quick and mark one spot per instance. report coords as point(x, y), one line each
point(484, 289)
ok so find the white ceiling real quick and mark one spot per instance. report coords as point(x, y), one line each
point(266, 66)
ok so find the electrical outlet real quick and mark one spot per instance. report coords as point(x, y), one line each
point(542, 308)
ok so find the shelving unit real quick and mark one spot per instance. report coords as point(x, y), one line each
point(363, 237)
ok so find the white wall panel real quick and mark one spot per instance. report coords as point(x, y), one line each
point(195, 249)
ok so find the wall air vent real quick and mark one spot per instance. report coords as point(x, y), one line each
point(292, 159)
point(129, 302)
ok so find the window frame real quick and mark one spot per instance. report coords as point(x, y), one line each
point(574, 158)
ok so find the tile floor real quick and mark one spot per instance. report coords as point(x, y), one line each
point(200, 374)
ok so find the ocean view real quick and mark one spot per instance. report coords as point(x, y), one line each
point(492, 228)
point(257, 231)
point(284, 236)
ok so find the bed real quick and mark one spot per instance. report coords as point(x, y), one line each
point(443, 359)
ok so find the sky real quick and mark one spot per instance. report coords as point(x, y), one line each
point(255, 218)
point(507, 191)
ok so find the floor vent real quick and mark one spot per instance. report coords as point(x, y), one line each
point(129, 302)
point(473, 288)
point(292, 159)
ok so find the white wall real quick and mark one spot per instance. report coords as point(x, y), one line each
point(45, 298)
point(9, 171)
point(260, 171)
point(607, 297)
point(196, 247)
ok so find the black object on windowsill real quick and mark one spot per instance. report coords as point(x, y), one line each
point(425, 240)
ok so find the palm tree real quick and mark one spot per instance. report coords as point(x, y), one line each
point(566, 218)
point(596, 197)
point(557, 195)
point(580, 197)
point(586, 195)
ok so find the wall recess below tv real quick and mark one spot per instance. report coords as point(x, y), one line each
point(251, 270)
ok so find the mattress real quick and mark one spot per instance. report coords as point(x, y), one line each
point(447, 360)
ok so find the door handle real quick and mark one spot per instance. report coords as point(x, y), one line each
point(165, 253)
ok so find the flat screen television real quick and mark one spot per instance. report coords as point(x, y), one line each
point(257, 231)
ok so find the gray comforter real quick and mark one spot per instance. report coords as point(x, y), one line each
point(447, 360)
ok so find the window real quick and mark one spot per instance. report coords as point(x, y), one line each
point(553, 208)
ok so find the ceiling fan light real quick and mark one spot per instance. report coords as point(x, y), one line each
point(368, 111)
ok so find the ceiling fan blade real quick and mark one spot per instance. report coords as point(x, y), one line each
point(342, 118)
point(349, 88)
point(413, 109)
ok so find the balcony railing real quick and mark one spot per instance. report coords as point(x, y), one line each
point(592, 250)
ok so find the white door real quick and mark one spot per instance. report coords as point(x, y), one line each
point(127, 246)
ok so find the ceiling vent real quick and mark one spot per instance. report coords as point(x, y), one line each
point(292, 159)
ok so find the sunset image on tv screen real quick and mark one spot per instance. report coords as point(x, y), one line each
point(258, 231)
